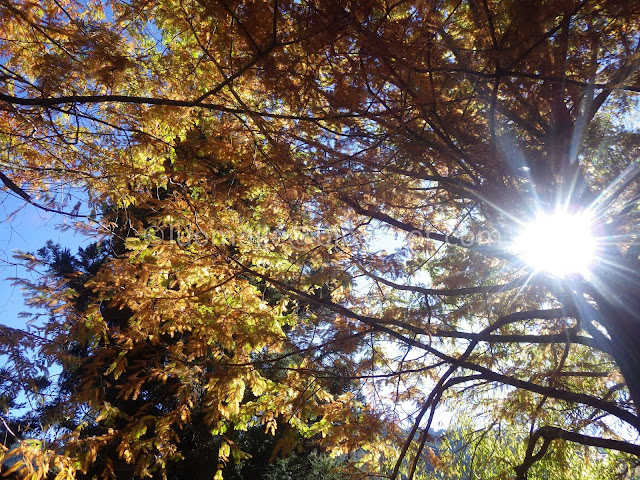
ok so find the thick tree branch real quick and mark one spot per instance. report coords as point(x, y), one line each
point(488, 250)
point(168, 102)
point(568, 335)
point(549, 433)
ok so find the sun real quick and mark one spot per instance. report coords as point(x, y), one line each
point(559, 243)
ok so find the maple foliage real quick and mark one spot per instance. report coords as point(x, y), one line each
point(248, 160)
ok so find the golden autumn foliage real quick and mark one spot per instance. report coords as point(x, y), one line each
point(248, 168)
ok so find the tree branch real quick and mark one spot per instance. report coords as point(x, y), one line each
point(549, 433)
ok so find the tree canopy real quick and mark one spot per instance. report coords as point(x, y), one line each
point(249, 166)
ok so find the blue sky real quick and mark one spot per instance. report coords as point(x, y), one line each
point(26, 228)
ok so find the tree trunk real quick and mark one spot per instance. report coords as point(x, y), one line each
point(619, 308)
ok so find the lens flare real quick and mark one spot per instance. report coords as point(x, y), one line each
point(559, 243)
